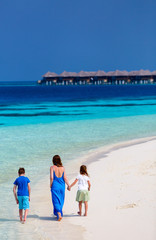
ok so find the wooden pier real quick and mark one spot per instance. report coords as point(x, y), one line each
point(99, 78)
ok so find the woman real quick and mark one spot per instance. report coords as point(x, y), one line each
point(57, 184)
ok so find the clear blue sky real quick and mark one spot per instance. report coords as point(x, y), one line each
point(56, 35)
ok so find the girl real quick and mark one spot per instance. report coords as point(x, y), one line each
point(83, 189)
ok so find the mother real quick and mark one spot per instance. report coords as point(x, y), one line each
point(57, 184)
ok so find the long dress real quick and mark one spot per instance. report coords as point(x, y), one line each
point(58, 194)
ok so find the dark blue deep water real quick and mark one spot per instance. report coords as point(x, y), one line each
point(33, 93)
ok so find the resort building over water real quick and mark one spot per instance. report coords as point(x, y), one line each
point(99, 78)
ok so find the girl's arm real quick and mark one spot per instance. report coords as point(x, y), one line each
point(15, 194)
point(73, 183)
point(89, 185)
point(29, 190)
point(51, 176)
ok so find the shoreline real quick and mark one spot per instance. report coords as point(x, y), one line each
point(43, 224)
point(102, 152)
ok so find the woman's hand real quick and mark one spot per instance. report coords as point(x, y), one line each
point(68, 188)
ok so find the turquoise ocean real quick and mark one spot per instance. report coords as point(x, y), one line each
point(37, 122)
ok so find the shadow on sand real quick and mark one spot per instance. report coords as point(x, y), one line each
point(8, 220)
point(51, 218)
point(38, 217)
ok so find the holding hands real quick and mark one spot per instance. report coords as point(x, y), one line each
point(69, 188)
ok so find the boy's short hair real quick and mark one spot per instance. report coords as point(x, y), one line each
point(21, 171)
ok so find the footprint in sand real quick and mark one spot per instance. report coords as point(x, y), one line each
point(130, 205)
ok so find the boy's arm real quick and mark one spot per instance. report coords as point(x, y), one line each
point(89, 185)
point(51, 176)
point(15, 194)
point(29, 190)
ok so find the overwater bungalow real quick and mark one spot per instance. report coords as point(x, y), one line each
point(99, 78)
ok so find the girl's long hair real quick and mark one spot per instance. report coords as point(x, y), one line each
point(83, 170)
point(57, 161)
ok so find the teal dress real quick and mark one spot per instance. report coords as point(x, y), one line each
point(58, 194)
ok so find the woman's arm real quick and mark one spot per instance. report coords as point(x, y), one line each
point(51, 176)
point(66, 179)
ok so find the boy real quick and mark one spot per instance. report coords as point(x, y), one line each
point(22, 196)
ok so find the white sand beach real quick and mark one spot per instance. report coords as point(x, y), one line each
point(122, 204)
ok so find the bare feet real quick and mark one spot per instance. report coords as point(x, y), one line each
point(85, 215)
point(59, 216)
point(23, 222)
point(79, 213)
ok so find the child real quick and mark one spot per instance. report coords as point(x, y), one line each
point(83, 189)
point(22, 196)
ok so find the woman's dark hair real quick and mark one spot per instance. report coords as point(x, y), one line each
point(21, 171)
point(57, 161)
point(83, 170)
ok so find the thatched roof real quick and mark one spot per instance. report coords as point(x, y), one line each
point(91, 74)
point(83, 74)
point(68, 74)
point(109, 73)
point(140, 73)
point(119, 73)
point(145, 72)
point(50, 74)
point(100, 73)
